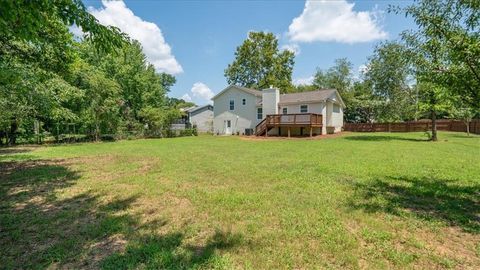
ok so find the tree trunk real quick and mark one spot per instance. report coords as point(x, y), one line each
point(434, 126)
point(468, 127)
point(13, 133)
point(97, 130)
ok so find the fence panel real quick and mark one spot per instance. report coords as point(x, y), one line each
point(419, 126)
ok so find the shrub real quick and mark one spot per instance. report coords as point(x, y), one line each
point(188, 132)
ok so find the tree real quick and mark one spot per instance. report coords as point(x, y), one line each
point(36, 52)
point(140, 86)
point(454, 26)
point(445, 51)
point(433, 100)
point(260, 64)
point(338, 77)
point(363, 106)
point(390, 73)
point(27, 20)
point(99, 111)
point(464, 113)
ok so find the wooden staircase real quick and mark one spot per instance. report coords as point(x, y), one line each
point(261, 128)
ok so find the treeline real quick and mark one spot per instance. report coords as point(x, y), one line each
point(51, 84)
point(431, 72)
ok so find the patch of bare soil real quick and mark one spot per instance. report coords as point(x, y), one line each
point(449, 247)
point(278, 138)
point(100, 166)
point(454, 244)
point(96, 252)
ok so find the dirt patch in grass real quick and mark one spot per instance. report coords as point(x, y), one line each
point(111, 167)
point(451, 246)
point(391, 247)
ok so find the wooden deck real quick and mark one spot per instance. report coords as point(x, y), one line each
point(297, 120)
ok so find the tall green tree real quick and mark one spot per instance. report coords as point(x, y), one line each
point(99, 113)
point(452, 26)
point(390, 74)
point(27, 20)
point(338, 77)
point(446, 51)
point(36, 51)
point(260, 64)
point(363, 105)
point(140, 86)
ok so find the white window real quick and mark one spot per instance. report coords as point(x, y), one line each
point(336, 108)
point(304, 108)
point(232, 105)
point(244, 101)
point(284, 110)
point(259, 113)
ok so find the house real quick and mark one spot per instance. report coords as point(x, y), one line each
point(248, 111)
point(201, 117)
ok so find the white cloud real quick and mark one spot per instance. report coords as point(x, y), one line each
point(187, 98)
point(303, 81)
point(362, 69)
point(294, 48)
point(360, 74)
point(201, 92)
point(325, 20)
point(158, 52)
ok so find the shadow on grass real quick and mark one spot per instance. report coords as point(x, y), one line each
point(13, 150)
point(382, 138)
point(429, 199)
point(42, 227)
point(166, 252)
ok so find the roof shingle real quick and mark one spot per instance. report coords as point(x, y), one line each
point(318, 95)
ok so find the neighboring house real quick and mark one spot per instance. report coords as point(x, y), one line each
point(246, 111)
point(201, 117)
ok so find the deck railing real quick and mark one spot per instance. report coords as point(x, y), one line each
point(289, 120)
point(300, 119)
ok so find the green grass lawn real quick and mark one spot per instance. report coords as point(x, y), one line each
point(365, 201)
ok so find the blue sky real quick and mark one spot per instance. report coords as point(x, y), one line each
point(196, 40)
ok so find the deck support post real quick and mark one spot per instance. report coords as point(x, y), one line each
point(266, 131)
point(311, 133)
point(288, 132)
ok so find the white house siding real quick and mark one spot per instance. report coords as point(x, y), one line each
point(328, 115)
point(242, 117)
point(202, 120)
point(337, 117)
point(295, 108)
point(270, 99)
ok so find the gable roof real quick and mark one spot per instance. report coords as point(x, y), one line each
point(197, 108)
point(320, 95)
point(247, 90)
point(311, 96)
